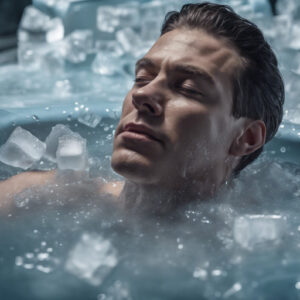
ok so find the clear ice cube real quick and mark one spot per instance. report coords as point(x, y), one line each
point(33, 19)
point(106, 64)
point(30, 56)
point(71, 153)
point(89, 119)
point(254, 230)
point(109, 47)
point(53, 61)
point(109, 18)
point(51, 141)
point(35, 26)
point(129, 39)
point(78, 45)
point(92, 258)
point(22, 149)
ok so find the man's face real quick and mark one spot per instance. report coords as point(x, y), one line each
point(176, 124)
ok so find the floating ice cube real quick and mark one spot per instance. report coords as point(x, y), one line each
point(33, 19)
point(71, 153)
point(51, 142)
point(22, 149)
point(117, 291)
point(29, 56)
point(92, 258)
point(89, 119)
point(105, 64)
point(107, 18)
point(53, 61)
point(78, 44)
point(109, 47)
point(254, 230)
point(129, 40)
point(111, 17)
point(35, 26)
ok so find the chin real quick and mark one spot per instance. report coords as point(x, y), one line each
point(134, 167)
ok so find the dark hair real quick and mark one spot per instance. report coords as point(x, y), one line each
point(258, 89)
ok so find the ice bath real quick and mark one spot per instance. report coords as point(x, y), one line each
point(63, 240)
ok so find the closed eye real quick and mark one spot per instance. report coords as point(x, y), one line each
point(190, 90)
point(187, 89)
point(141, 81)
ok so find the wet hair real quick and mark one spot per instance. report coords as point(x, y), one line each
point(258, 89)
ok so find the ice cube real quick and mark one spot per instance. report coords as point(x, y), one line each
point(109, 47)
point(22, 149)
point(89, 119)
point(129, 39)
point(51, 141)
point(107, 18)
point(71, 153)
point(111, 17)
point(92, 258)
point(33, 19)
point(35, 26)
point(253, 230)
point(106, 64)
point(117, 291)
point(53, 61)
point(78, 45)
point(30, 56)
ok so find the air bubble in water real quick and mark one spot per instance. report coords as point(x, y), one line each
point(35, 118)
point(282, 149)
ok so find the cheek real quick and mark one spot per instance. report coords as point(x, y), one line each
point(127, 105)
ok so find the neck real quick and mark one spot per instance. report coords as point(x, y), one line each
point(157, 200)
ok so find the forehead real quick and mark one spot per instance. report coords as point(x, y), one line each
point(196, 47)
point(214, 56)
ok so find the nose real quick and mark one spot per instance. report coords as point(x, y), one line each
point(149, 99)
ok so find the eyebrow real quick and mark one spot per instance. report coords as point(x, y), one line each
point(180, 68)
point(144, 63)
point(195, 72)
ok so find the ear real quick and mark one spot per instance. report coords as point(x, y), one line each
point(251, 138)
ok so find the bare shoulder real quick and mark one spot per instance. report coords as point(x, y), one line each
point(81, 189)
point(17, 183)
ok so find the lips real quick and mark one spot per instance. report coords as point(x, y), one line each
point(141, 129)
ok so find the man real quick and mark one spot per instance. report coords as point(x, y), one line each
point(206, 98)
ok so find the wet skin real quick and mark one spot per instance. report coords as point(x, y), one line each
point(182, 98)
point(176, 132)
